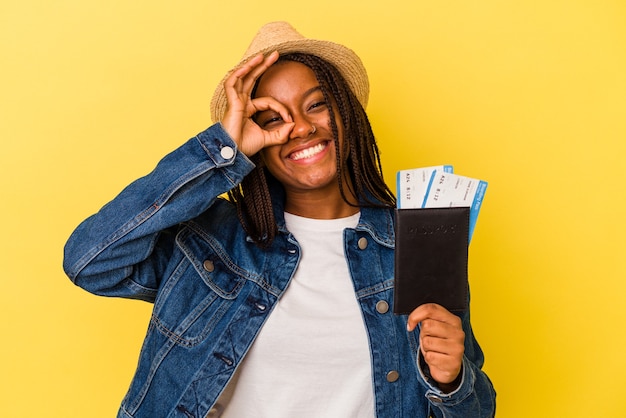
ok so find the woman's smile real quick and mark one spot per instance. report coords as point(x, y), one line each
point(306, 155)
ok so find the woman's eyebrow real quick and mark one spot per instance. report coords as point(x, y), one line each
point(312, 90)
point(305, 94)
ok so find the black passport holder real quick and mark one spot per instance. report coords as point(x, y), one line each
point(431, 258)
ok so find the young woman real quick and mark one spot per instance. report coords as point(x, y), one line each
point(275, 301)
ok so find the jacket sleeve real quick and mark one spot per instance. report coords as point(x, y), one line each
point(475, 396)
point(123, 249)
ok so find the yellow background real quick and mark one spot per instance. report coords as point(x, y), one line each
point(529, 95)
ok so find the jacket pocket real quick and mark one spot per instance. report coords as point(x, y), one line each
point(197, 294)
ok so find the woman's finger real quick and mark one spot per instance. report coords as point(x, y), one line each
point(261, 104)
point(236, 83)
point(256, 70)
point(431, 311)
point(241, 72)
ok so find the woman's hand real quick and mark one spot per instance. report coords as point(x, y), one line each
point(237, 121)
point(441, 342)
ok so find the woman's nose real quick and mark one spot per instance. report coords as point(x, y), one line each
point(303, 128)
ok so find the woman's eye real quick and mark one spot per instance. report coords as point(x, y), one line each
point(272, 121)
point(317, 105)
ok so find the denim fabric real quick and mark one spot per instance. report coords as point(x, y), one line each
point(169, 239)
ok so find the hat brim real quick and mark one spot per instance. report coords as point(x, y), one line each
point(343, 58)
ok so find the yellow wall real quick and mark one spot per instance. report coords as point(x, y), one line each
point(529, 95)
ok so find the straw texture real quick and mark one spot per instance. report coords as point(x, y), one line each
point(282, 37)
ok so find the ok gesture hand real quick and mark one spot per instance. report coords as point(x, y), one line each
point(241, 107)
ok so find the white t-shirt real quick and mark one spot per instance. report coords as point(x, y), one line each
point(311, 359)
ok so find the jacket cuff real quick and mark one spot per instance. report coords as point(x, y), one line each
point(436, 396)
point(221, 148)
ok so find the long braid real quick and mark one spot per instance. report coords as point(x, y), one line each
point(252, 197)
point(254, 205)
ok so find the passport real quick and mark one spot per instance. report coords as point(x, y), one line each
point(431, 258)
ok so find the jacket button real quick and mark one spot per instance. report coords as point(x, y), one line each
point(208, 265)
point(227, 153)
point(382, 306)
point(392, 376)
point(434, 399)
point(362, 243)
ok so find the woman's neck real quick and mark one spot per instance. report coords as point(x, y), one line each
point(320, 205)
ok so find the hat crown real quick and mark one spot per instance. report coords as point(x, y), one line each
point(282, 37)
point(270, 35)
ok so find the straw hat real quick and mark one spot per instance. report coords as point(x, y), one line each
point(282, 37)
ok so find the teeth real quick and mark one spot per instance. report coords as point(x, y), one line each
point(309, 152)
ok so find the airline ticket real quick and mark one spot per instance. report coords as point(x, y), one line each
point(438, 187)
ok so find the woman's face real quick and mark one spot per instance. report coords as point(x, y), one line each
point(307, 161)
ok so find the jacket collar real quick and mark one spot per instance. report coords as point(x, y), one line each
point(379, 223)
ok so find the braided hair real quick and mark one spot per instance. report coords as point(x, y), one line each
point(252, 197)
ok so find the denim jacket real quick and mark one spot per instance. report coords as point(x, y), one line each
point(168, 238)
